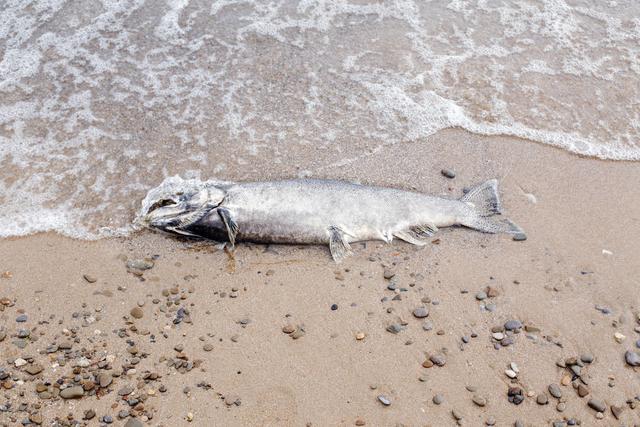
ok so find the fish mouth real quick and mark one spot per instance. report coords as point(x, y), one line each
point(161, 204)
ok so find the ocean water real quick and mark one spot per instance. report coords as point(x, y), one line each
point(102, 100)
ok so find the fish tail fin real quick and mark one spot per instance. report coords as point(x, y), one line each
point(485, 213)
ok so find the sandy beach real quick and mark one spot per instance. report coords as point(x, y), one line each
point(395, 335)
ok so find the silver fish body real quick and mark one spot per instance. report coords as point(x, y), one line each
point(310, 211)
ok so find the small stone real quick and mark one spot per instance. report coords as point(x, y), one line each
point(19, 362)
point(542, 399)
point(479, 400)
point(587, 358)
point(232, 399)
point(133, 422)
point(457, 414)
point(89, 414)
point(384, 400)
point(360, 422)
point(597, 405)
point(554, 390)
point(189, 416)
point(74, 392)
point(498, 336)
point(619, 337)
point(360, 336)
point(137, 312)
point(395, 328)
point(334, 307)
point(566, 380)
point(438, 359)
point(519, 237)
point(89, 278)
point(632, 358)
point(617, 411)
point(34, 369)
point(388, 273)
point(491, 421)
point(448, 173)
point(582, 390)
point(438, 399)
point(139, 264)
point(21, 318)
point(421, 312)
point(481, 296)
point(510, 373)
point(288, 329)
point(561, 406)
point(207, 347)
point(298, 333)
point(513, 325)
point(105, 380)
point(125, 391)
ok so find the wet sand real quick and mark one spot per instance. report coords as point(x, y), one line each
point(252, 373)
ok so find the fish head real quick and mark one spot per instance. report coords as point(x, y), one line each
point(173, 210)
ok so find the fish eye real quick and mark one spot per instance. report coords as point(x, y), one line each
point(161, 203)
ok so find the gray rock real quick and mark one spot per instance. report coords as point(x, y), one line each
point(438, 399)
point(74, 392)
point(21, 318)
point(587, 358)
point(597, 405)
point(554, 390)
point(438, 359)
point(384, 400)
point(139, 264)
point(133, 422)
point(395, 328)
point(632, 358)
point(513, 325)
point(448, 173)
point(482, 295)
point(421, 312)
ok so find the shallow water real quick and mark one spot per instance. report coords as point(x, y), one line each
point(100, 101)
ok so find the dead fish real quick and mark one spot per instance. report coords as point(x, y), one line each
point(312, 211)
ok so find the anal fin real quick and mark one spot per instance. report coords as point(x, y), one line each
point(338, 245)
point(417, 235)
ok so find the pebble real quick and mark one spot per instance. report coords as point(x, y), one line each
point(510, 373)
point(384, 400)
point(617, 411)
point(542, 399)
point(395, 328)
point(499, 336)
point(19, 362)
point(582, 390)
point(388, 273)
point(438, 399)
point(587, 358)
point(360, 422)
point(21, 318)
point(72, 392)
point(421, 312)
point(232, 399)
point(89, 278)
point(448, 173)
point(139, 264)
point(133, 422)
point(554, 390)
point(513, 325)
point(334, 307)
point(438, 359)
point(632, 358)
point(619, 337)
point(207, 347)
point(597, 405)
point(360, 336)
point(479, 400)
point(34, 369)
point(288, 329)
point(481, 296)
point(137, 313)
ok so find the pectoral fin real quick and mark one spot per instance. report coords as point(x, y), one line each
point(417, 235)
point(338, 244)
point(230, 224)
